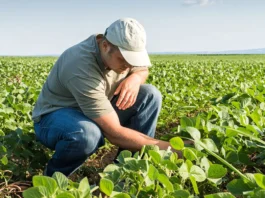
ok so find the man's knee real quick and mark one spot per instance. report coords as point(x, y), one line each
point(90, 139)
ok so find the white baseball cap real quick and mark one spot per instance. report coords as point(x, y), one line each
point(130, 37)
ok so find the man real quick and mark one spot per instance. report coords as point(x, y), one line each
point(96, 89)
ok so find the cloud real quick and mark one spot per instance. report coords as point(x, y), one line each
point(198, 2)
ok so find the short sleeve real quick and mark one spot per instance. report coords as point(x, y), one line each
point(90, 95)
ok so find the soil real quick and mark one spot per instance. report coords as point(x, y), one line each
point(96, 164)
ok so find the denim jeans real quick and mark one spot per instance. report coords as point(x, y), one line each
point(75, 137)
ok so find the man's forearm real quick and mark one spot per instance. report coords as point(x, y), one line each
point(133, 140)
point(143, 74)
point(124, 137)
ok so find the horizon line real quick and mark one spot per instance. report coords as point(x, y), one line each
point(239, 52)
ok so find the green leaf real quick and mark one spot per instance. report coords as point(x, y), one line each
point(133, 190)
point(3, 148)
point(143, 165)
point(169, 165)
point(232, 157)
point(209, 143)
point(251, 178)
point(19, 97)
point(189, 154)
point(76, 193)
point(4, 160)
point(205, 164)
point(186, 121)
point(189, 164)
point(36, 192)
point(195, 133)
point(259, 193)
point(2, 133)
point(223, 114)
point(260, 180)
point(47, 182)
point(122, 195)
point(194, 184)
point(114, 176)
point(256, 117)
point(174, 158)
point(131, 164)
point(197, 173)
point(152, 172)
point(111, 168)
point(181, 194)
point(147, 148)
point(165, 181)
point(65, 195)
point(84, 187)
point(238, 186)
point(175, 181)
point(253, 128)
point(160, 191)
point(124, 154)
point(244, 120)
point(155, 156)
point(244, 158)
point(73, 185)
point(183, 171)
point(9, 110)
point(106, 186)
point(177, 143)
point(231, 133)
point(61, 180)
point(220, 195)
point(245, 102)
point(216, 171)
point(262, 106)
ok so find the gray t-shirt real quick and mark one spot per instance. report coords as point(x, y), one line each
point(79, 80)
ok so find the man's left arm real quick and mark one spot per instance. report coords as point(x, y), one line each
point(143, 74)
point(129, 87)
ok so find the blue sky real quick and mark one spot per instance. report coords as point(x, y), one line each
point(39, 27)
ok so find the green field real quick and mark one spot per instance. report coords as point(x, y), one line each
point(217, 101)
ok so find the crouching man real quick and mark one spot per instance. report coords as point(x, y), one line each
point(96, 89)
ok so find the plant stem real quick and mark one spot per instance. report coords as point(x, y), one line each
point(223, 161)
point(139, 188)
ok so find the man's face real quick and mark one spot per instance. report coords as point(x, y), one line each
point(114, 60)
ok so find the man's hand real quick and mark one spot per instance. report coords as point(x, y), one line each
point(128, 90)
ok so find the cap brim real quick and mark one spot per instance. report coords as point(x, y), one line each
point(138, 59)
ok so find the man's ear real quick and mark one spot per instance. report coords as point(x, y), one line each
point(105, 46)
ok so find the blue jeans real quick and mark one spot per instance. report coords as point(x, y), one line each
point(75, 137)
